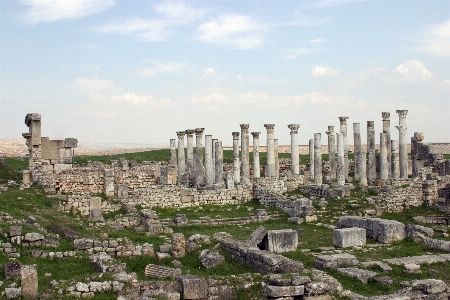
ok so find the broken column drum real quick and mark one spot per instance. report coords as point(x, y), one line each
point(395, 167)
point(311, 158)
point(181, 159)
point(383, 157)
point(403, 143)
point(343, 129)
point(340, 174)
point(256, 165)
point(387, 130)
point(209, 167)
point(372, 163)
point(245, 156)
point(236, 164)
point(190, 150)
point(270, 150)
point(173, 153)
point(317, 159)
point(331, 151)
point(199, 168)
point(295, 162)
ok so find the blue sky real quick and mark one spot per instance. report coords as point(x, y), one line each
point(108, 71)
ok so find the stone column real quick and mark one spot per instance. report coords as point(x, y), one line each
point(219, 165)
point(403, 143)
point(181, 160)
point(331, 151)
point(190, 150)
point(245, 157)
point(395, 167)
point(311, 158)
point(209, 167)
point(236, 164)
point(416, 141)
point(199, 168)
point(295, 160)
point(256, 167)
point(362, 168)
point(384, 170)
point(317, 159)
point(343, 129)
point(173, 153)
point(214, 145)
point(277, 159)
point(356, 148)
point(340, 174)
point(270, 150)
point(372, 162)
point(387, 130)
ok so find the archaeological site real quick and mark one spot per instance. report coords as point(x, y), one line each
point(252, 220)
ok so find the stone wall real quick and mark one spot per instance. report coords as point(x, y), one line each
point(121, 247)
point(79, 204)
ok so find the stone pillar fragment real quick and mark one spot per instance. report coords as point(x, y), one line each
point(372, 162)
point(236, 163)
point(383, 157)
point(178, 245)
point(181, 159)
point(295, 159)
point(199, 168)
point(387, 130)
point(343, 129)
point(356, 148)
point(209, 167)
point(331, 151)
point(311, 159)
point(109, 182)
point(317, 159)
point(277, 159)
point(256, 166)
point(340, 174)
point(395, 167)
point(173, 152)
point(245, 156)
point(270, 150)
point(403, 143)
point(29, 282)
point(218, 173)
point(190, 150)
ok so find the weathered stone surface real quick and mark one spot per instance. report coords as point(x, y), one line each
point(385, 280)
point(300, 280)
point(284, 291)
point(15, 231)
point(335, 261)
point(411, 269)
point(437, 244)
point(418, 233)
point(178, 245)
point(29, 282)
point(82, 287)
point(257, 236)
point(360, 274)
point(33, 237)
point(13, 293)
point(279, 241)
point(429, 286)
point(349, 237)
point(420, 259)
point(212, 259)
point(100, 262)
point(322, 283)
point(158, 271)
point(129, 208)
point(11, 270)
point(95, 210)
point(193, 287)
point(180, 219)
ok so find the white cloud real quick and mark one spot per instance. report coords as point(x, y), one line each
point(178, 10)
point(209, 71)
point(210, 99)
point(319, 71)
point(252, 97)
point(93, 84)
point(295, 53)
point(162, 68)
point(331, 3)
point(237, 31)
point(49, 11)
point(239, 77)
point(414, 70)
point(316, 41)
point(165, 102)
point(314, 97)
point(131, 98)
point(436, 40)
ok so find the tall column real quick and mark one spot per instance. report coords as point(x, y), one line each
point(403, 143)
point(245, 157)
point(343, 128)
point(416, 140)
point(199, 168)
point(181, 160)
point(190, 150)
point(214, 141)
point(256, 166)
point(173, 153)
point(295, 162)
point(371, 160)
point(383, 157)
point(317, 159)
point(311, 158)
point(387, 130)
point(209, 167)
point(219, 164)
point(331, 151)
point(356, 148)
point(270, 150)
point(236, 164)
point(340, 174)
point(277, 159)
point(362, 168)
point(395, 167)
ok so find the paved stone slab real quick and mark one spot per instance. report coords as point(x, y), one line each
point(362, 275)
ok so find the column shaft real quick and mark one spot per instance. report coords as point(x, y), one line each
point(340, 174)
point(277, 159)
point(395, 167)
point(256, 166)
point(343, 129)
point(173, 153)
point(199, 168)
point(295, 160)
point(219, 164)
point(209, 167)
point(190, 150)
point(356, 148)
point(317, 159)
point(245, 156)
point(383, 157)
point(331, 151)
point(372, 162)
point(270, 150)
point(387, 130)
point(236, 163)
point(311, 158)
point(181, 159)
point(403, 143)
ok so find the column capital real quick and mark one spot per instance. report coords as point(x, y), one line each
point(386, 116)
point(402, 113)
point(294, 127)
point(331, 128)
point(199, 131)
point(419, 136)
point(256, 134)
point(32, 117)
point(235, 135)
point(370, 124)
point(244, 127)
point(270, 127)
point(181, 134)
point(190, 132)
point(343, 120)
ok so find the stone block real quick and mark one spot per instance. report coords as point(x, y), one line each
point(13, 293)
point(95, 210)
point(58, 168)
point(11, 270)
point(284, 291)
point(418, 233)
point(129, 208)
point(429, 286)
point(180, 219)
point(437, 244)
point(29, 282)
point(70, 143)
point(158, 271)
point(122, 191)
point(360, 274)
point(15, 231)
point(211, 259)
point(279, 241)
point(193, 287)
point(33, 237)
point(335, 261)
point(411, 269)
point(178, 245)
point(257, 236)
point(349, 237)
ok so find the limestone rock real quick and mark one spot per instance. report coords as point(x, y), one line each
point(13, 293)
point(429, 286)
point(212, 259)
point(360, 274)
point(335, 261)
point(284, 291)
point(15, 231)
point(349, 237)
point(33, 237)
point(418, 233)
point(193, 287)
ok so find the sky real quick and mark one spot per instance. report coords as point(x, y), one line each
point(112, 71)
